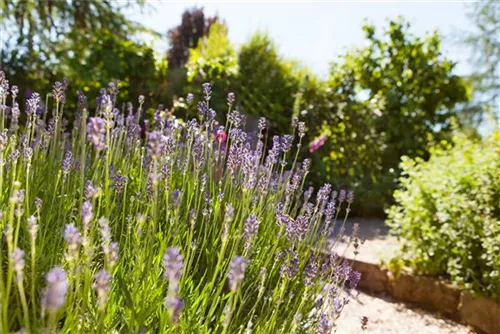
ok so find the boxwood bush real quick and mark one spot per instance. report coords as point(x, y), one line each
point(447, 214)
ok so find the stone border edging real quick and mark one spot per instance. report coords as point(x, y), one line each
point(431, 294)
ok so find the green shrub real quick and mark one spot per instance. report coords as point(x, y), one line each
point(448, 214)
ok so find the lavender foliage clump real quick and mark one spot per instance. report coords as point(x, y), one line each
point(119, 190)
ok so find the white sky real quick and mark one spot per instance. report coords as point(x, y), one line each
point(316, 32)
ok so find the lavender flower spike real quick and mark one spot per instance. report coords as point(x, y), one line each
point(17, 258)
point(96, 131)
point(173, 264)
point(102, 287)
point(236, 272)
point(54, 295)
point(251, 229)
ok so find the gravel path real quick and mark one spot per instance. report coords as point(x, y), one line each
point(386, 316)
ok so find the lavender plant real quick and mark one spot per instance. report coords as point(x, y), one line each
point(179, 227)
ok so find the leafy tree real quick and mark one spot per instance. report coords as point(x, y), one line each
point(88, 42)
point(393, 97)
point(213, 60)
point(184, 37)
point(267, 83)
point(484, 42)
point(193, 27)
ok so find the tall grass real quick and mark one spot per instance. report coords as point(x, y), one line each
point(167, 227)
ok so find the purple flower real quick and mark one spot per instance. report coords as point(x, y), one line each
point(324, 325)
point(236, 272)
point(175, 198)
point(59, 91)
point(274, 152)
point(302, 129)
point(4, 140)
point(330, 211)
point(114, 249)
point(231, 98)
point(324, 192)
point(291, 267)
point(310, 273)
point(207, 90)
point(342, 195)
point(32, 227)
point(262, 123)
point(87, 215)
point(156, 144)
point(72, 236)
point(251, 229)
point(286, 142)
point(297, 228)
point(54, 295)
point(350, 197)
point(202, 109)
point(189, 99)
point(235, 118)
point(173, 263)
point(67, 162)
point(353, 279)
point(17, 258)
point(174, 306)
point(90, 190)
point(33, 103)
point(102, 285)
point(96, 131)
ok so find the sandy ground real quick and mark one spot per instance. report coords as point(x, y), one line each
point(386, 316)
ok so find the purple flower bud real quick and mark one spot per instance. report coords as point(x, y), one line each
point(262, 123)
point(72, 236)
point(251, 229)
point(203, 109)
point(310, 273)
point(96, 131)
point(350, 197)
point(4, 140)
point(54, 295)
point(297, 228)
point(17, 258)
point(353, 279)
point(32, 227)
point(87, 215)
point(156, 144)
point(114, 249)
point(207, 90)
point(324, 325)
point(59, 92)
point(174, 306)
point(231, 97)
point(286, 142)
point(102, 285)
point(67, 162)
point(324, 192)
point(90, 190)
point(33, 103)
point(302, 129)
point(342, 195)
point(236, 272)
point(189, 99)
point(173, 263)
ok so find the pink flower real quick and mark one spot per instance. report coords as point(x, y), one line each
point(317, 143)
point(220, 136)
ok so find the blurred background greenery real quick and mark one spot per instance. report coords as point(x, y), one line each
point(398, 95)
